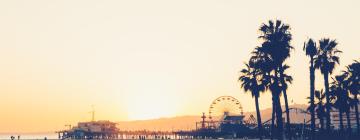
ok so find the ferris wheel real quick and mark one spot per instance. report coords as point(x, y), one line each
point(225, 106)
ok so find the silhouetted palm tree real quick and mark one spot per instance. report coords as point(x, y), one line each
point(326, 60)
point(276, 44)
point(263, 62)
point(250, 80)
point(339, 90)
point(338, 99)
point(353, 77)
point(311, 51)
point(271, 83)
point(319, 106)
point(275, 88)
point(284, 79)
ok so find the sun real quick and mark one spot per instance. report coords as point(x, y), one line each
point(151, 101)
point(150, 107)
point(150, 94)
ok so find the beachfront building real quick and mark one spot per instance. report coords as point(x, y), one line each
point(91, 130)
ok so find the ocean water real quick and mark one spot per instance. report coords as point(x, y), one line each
point(33, 136)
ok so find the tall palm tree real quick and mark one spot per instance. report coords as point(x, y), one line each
point(251, 81)
point(284, 79)
point(263, 62)
point(275, 88)
point(319, 107)
point(326, 60)
point(311, 51)
point(276, 44)
point(353, 77)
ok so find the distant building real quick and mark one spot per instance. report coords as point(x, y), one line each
point(239, 119)
point(93, 129)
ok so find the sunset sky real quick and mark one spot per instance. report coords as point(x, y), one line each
point(148, 59)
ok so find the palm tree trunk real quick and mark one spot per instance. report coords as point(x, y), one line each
point(327, 105)
point(348, 120)
point(286, 104)
point(258, 116)
point(357, 113)
point(279, 121)
point(278, 114)
point(341, 121)
point(312, 94)
point(287, 114)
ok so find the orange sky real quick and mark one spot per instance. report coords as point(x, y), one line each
point(147, 59)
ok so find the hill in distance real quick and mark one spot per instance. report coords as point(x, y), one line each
point(188, 122)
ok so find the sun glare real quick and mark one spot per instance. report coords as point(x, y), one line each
point(150, 107)
point(152, 100)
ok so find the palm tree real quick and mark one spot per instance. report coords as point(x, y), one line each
point(251, 81)
point(326, 60)
point(311, 51)
point(319, 107)
point(353, 77)
point(284, 79)
point(338, 100)
point(271, 83)
point(339, 90)
point(262, 61)
point(275, 88)
point(276, 44)
point(343, 84)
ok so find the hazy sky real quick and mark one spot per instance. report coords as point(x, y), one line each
point(147, 59)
